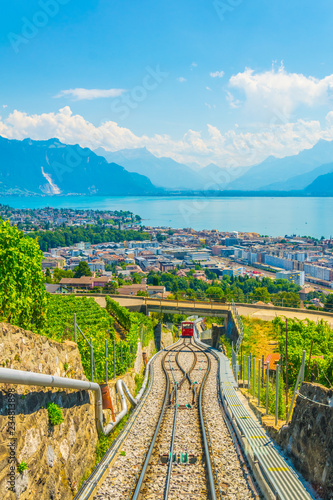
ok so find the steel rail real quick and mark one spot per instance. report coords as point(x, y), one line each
point(180, 383)
point(185, 374)
point(168, 479)
point(286, 486)
point(144, 468)
point(91, 483)
point(211, 482)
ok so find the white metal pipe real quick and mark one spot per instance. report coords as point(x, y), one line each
point(10, 376)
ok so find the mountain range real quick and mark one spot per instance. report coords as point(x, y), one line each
point(52, 167)
point(288, 173)
point(168, 173)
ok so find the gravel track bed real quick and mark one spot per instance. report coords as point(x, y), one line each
point(118, 483)
point(232, 481)
point(187, 481)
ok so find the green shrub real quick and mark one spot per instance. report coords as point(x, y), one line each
point(22, 466)
point(55, 414)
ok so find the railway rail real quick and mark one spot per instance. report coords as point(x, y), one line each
point(185, 444)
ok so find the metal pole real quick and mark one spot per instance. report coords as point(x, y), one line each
point(295, 390)
point(75, 328)
point(277, 395)
point(114, 358)
point(259, 381)
point(248, 373)
point(130, 355)
point(307, 371)
point(254, 375)
point(303, 367)
point(121, 352)
point(243, 370)
point(262, 370)
point(106, 361)
point(91, 360)
point(267, 385)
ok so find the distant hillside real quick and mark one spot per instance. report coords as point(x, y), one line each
point(265, 175)
point(322, 186)
point(301, 181)
point(163, 172)
point(51, 167)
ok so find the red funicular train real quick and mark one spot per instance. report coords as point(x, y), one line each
point(187, 328)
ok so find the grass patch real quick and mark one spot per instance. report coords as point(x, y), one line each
point(138, 379)
point(22, 466)
point(55, 414)
point(260, 337)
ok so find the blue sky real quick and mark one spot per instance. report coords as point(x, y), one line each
point(237, 80)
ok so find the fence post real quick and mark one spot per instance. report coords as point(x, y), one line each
point(277, 395)
point(267, 385)
point(106, 361)
point(248, 374)
point(114, 358)
point(254, 376)
point(259, 381)
point(91, 360)
point(130, 355)
point(262, 370)
point(75, 328)
point(303, 368)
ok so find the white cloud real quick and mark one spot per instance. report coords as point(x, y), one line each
point(194, 65)
point(4, 106)
point(89, 94)
point(181, 79)
point(233, 103)
point(210, 106)
point(277, 92)
point(232, 148)
point(208, 88)
point(217, 74)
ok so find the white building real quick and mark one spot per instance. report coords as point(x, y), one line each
point(296, 277)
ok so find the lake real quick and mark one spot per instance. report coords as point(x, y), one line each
point(272, 216)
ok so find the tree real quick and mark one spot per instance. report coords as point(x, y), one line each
point(137, 279)
point(58, 274)
point(111, 287)
point(48, 276)
point(215, 292)
point(261, 294)
point(82, 270)
point(329, 302)
point(22, 290)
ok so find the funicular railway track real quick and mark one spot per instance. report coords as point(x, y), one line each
point(185, 444)
point(179, 462)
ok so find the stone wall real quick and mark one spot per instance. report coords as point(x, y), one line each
point(308, 438)
point(57, 456)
